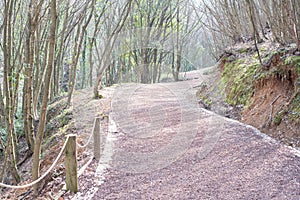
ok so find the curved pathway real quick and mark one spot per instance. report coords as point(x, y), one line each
point(163, 146)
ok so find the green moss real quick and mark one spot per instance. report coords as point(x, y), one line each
point(242, 50)
point(278, 118)
point(207, 101)
point(64, 121)
point(203, 96)
point(297, 63)
point(255, 56)
point(294, 60)
point(294, 109)
point(61, 120)
point(238, 76)
point(263, 49)
point(262, 75)
point(268, 56)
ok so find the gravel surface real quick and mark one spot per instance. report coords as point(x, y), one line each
point(166, 147)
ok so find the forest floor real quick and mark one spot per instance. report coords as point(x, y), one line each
point(77, 120)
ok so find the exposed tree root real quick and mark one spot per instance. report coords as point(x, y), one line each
point(271, 112)
point(28, 154)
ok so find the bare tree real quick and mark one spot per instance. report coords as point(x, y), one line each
point(10, 88)
point(109, 44)
point(42, 121)
point(77, 47)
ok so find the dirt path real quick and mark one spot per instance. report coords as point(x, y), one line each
point(163, 146)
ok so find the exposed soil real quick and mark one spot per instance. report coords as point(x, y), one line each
point(270, 97)
point(273, 106)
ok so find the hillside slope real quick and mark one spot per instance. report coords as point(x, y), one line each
point(268, 92)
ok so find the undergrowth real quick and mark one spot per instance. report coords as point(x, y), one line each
point(238, 77)
point(59, 119)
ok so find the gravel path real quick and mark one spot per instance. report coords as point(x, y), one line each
point(165, 147)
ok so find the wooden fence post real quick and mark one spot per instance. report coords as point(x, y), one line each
point(97, 139)
point(71, 164)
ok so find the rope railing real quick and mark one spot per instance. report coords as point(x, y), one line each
point(92, 133)
point(70, 150)
point(41, 177)
point(97, 139)
point(90, 138)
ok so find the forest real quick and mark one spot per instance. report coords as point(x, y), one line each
point(51, 48)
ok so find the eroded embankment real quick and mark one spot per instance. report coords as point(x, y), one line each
point(269, 92)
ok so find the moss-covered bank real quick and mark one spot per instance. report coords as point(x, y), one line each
point(269, 92)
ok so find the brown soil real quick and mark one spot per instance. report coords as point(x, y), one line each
point(268, 108)
point(270, 97)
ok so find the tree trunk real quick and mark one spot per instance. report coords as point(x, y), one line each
point(91, 43)
point(9, 92)
point(40, 81)
point(72, 75)
point(1, 106)
point(42, 121)
point(78, 44)
point(83, 61)
point(27, 89)
point(108, 49)
point(255, 32)
point(60, 60)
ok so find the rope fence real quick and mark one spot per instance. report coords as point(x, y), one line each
point(90, 138)
point(69, 147)
point(41, 177)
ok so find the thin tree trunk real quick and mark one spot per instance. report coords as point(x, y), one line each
point(9, 91)
point(1, 103)
point(255, 32)
point(83, 62)
point(78, 44)
point(59, 61)
point(72, 75)
point(42, 121)
point(178, 47)
point(108, 49)
point(38, 88)
point(91, 61)
point(4, 165)
point(27, 89)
